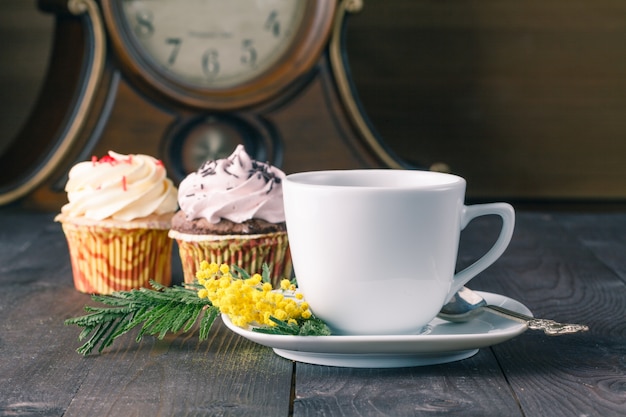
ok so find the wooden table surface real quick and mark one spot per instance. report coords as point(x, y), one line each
point(566, 266)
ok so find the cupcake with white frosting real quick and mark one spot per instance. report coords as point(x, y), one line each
point(231, 211)
point(116, 223)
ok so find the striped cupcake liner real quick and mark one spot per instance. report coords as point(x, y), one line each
point(105, 260)
point(249, 252)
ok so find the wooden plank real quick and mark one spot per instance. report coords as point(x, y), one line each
point(32, 246)
point(560, 265)
point(473, 387)
point(41, 374)
point(226, 375)
point(548, 269)
point(604, 235)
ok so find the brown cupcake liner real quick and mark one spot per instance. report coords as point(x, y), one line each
point(247, 252)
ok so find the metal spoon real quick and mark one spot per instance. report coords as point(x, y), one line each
point(466, 304)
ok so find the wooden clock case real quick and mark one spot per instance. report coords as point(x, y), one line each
point(91, 102)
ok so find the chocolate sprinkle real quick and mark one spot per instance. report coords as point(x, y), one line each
point(262, 170)
point(208, 168)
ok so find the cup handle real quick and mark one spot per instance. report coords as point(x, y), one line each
point(506, 212)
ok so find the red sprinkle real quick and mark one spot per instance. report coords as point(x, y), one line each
point(124, 183)
point(111, 160)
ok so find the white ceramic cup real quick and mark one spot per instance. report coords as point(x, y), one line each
point(374, 251)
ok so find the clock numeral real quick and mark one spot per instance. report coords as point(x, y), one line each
point(210, 63)
point(248, 54)
point(175, 43)
point(272, 24)
point(144, 27)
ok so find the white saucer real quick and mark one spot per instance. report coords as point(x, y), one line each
point(442, 342)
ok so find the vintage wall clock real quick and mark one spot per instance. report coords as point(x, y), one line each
point(188, 80)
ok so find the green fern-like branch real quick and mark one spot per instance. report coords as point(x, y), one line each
point(161, 310)
point(309, 327)
point(158, 311)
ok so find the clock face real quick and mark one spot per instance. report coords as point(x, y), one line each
point(213, 43)
point(218, 53)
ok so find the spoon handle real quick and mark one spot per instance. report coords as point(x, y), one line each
point(549, 327)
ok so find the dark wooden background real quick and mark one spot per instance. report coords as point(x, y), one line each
point(526, 99)
point(523, 98)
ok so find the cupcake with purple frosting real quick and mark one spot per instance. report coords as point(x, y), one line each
point(231, 211)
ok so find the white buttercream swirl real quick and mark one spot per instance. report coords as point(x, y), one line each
point(119, 187)
point(236, 188)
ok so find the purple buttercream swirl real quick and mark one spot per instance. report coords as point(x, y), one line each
point(236, 188)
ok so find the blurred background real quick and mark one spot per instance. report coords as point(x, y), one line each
point(24, 53)
point(525, 99)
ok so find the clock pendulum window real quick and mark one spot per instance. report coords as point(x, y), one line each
point(188, 81)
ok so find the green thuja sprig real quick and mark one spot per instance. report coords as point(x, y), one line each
point(158, 311)
point(309, 327)
point(162, 309)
